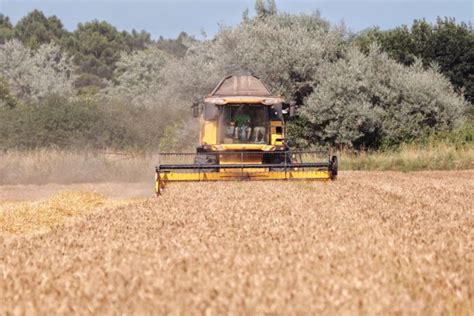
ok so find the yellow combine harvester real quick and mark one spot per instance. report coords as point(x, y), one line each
point(243, 138)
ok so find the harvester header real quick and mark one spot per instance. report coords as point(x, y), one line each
point(243, 137)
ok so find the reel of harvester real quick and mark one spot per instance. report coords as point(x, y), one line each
point(243, 165)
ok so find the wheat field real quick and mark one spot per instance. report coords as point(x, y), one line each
point(372, 243)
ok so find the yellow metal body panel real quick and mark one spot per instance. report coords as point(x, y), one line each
point(243, 175)
point(276, 137)
point(248, 158)
point(209, 132)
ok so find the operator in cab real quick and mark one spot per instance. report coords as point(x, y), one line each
point(242, 130)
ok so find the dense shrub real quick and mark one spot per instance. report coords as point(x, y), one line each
point(6, 97)
point(80, 123)
point(139, 76)
point(371, 100)
point(446, 42)
point(34, 74)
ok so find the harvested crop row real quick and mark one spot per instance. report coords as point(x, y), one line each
point(24, 217)
point(40, 216)
point(370, 243)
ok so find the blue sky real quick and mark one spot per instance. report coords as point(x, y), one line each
point(168, 17)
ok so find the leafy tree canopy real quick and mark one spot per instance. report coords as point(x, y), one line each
point(372, 101)
point(176, 47)
point(447, 43)
point(97, 45)
point(35, 29)
point(6, 29)
point(32, 75)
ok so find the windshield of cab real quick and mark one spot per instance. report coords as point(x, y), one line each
point(244, 124)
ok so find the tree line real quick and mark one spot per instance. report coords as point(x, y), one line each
point(100, 87)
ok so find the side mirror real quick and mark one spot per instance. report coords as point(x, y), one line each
point(195, 108)
point(292, 108)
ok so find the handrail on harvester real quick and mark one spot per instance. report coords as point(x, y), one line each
point(239, 166)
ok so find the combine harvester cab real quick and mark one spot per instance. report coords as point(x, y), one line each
point(242, 137)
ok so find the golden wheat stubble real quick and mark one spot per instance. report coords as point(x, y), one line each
point(376, 243)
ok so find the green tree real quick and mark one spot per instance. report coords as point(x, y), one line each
point(139, 75)
point(176, 47)
point(33, 74)
point(137, 40)
point(285, 50)
point(6, 29)
point(453, 51)
point(371, 100)
point(35, 29)
point(447, 43)
point(96, 47)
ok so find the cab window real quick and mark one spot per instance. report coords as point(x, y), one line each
point(244, 124)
